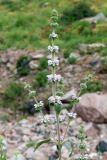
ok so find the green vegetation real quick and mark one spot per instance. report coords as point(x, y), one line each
point(22, 65)
point(104, 62)
point(79, 11)
point(41, 79)
point(43, 64)
point(93, 86)
point(2, 150)
point(104, 51)
point(66, 53)
point(13, 96)
point(4, 117)
point(72, 59)
point(24, 24)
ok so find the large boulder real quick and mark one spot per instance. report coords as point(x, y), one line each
point(92, 108)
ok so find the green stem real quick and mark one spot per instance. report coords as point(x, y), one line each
point(59, 140)
point(66, 129)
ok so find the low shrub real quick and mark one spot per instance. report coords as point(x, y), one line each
point(4, 117)
point(104, 62)
point(41, 79)
point(43, 64)
point(104, 51)
point(79, 11)
point(13, 96)
point(13, 5)
point(93, 86)
point(66, 53)
point(22, 65)
point(84, 28)
point(72, 59)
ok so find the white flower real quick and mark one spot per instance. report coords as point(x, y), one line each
point(53, 35)
point(56, 99)
point(50, 62)
point(72, 115)
point(61, 118)
point(38, 105)
point(50, 119)
point(27, 86)
point(53, 49)
point(53, 63)
point(41, 104)
point(32, 93)
point(54, 78)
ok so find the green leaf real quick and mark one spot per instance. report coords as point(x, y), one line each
point(37, 145)
point(57, 108)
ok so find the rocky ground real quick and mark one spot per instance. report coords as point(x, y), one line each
point(72, 74)
point(17, 133)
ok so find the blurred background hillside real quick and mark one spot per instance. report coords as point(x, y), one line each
point(25, 23)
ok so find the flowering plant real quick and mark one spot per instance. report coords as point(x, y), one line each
point(55, 100)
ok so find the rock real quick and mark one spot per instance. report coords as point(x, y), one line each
point(29, 108)
point(39, 54)
point(12, 60)
point(52, 157)
point(91, 130)
point(65, 152)
point(90, 47)
point(33, 65)
point(23, 122)
point(4, 59)
point(101, 147)
point(40, 156)
point(10, 66)
point(93, 156)
point(30, 153)
point(25, 138)
point(100, 17)
point(92, 108)
point(54, 150)
point(18, 157)
point(68, 96)
point(22, 147)
point(105, 156)
point(93, 62)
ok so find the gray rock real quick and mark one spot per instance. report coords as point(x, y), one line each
point(18, 157)
point(40, 156)
point(100, 17)
point(93, 108)
point(10, 66)
point(33, 65)
point(22, 147)
point(30, 153)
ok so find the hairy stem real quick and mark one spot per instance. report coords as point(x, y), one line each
point(59, 138)
point(66, 129)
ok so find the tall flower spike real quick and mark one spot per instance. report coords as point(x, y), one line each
point(53, 61)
